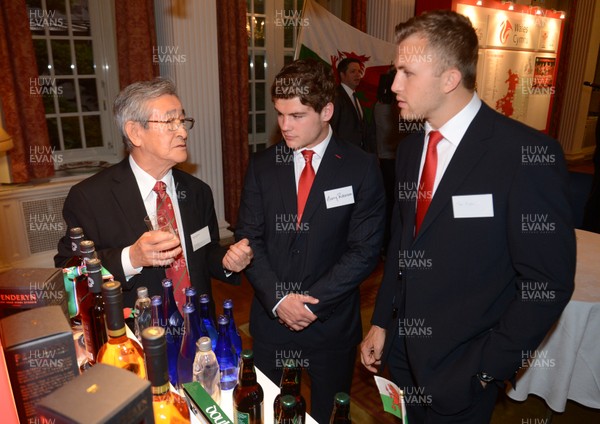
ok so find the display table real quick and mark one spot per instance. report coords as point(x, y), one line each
point(568, 359)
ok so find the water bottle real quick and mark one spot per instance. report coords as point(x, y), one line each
point(188, 345)
point(174, 328)
point(156, 312)
point(226, 356)
point(207, 320)
point(206, 369)
point(143, 312)
point(236, 340)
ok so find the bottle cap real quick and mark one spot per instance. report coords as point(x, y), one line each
point(87, 246)
point(155, 349)
point(93, 265)
point(204, 344)
point(342, 398)
point(76, 232)
point(188, 308)
point(190, 291)
point(247, 354)
point(156, 300)
point(288, 401)
point(167, 283)
point(113, 301)
point(154, 340)
point(223, 320)
point(204, 298)
point(142, 292)
point(228, 304)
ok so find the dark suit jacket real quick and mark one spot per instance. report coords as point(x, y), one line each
point(475, 294)
point(334, 250)
point(348, 126)
point(110, 209)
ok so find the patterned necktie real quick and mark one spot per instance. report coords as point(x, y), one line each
point(425, 193)
point(306, 179)
point(178, 271)
point(357, 106)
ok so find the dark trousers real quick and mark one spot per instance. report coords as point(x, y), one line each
point(419, 404)
point(330, 371)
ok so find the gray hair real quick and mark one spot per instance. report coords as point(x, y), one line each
point(132, 103)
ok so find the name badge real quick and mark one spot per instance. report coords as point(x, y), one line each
point(200, 238)
point(473, 206)
point(339, 197)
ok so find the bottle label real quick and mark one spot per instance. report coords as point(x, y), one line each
point(242, 417)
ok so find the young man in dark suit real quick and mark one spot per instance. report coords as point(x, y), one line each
point(482, 257)
point(111, 205)
point(313, 208)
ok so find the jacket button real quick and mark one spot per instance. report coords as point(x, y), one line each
point(295, 251)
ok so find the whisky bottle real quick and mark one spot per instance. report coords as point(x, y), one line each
point(168, 406)
point(76, 236)
point(92, 313)
point(341, 409)
point(291, 380)
point(119, 351)
point(248, 394)
point(88, 251)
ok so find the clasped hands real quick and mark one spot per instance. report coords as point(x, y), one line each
point(293, 313)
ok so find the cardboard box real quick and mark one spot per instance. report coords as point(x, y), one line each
point(27, 288)
point(39, 353)
point(102, 394)
point(7, 401)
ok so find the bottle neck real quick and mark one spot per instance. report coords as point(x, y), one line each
point(248, 373)
point(291, 381)
point(96, 278)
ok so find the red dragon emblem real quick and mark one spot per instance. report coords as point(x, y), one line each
point(505, 28)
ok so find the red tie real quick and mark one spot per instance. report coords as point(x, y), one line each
point(306, 179)
point(427, 179)
point(178, 271)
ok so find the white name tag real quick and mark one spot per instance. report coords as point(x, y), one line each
point(200, 238)
point(339, 197)
point(473, 206)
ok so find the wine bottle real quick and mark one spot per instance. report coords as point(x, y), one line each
point(291, 381)
point(287, 414)
point(168, 406)
point(119, 351)
point(187, 353)
point(228, 362)
point(206, 369)
point(92, 313)
point(248, 394)
point(209, 324)
point(341, 409)
point(143, 314)
point(173, 328)
point(234, 335)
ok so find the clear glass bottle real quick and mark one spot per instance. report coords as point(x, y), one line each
point(173, 328)
point(234, 335)
point(168, 406)
point(119, 351)
point(143, 312)
point(341, 409)
point(92, 314)
point(291, 381)
point(156, 312)
point(187, 353)
point(207, 320)
point(206, 368)
point(226, 356)
point(248, 394)
point(287, 413)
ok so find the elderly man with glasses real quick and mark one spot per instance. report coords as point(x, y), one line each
point(111, 205)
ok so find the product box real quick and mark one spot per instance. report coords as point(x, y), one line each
point(102, 394)
point(40, 355)
point(203, 406)
point(7, 401)
point(28, 288)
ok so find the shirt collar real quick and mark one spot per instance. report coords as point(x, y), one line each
point(457, 126)
point(146, 181)
point(319, 149)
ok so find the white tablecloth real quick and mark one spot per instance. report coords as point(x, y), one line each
point(567, 362)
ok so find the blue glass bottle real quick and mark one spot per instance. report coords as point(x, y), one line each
point(187, 352)
point(226, 355)
point(207, 320)
point(236, 340)
point(173, 329)
point(191, 297)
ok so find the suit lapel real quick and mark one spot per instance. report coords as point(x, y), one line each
point(186, 212)
point(471, 148)
point(124, 191)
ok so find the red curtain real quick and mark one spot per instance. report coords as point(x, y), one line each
point(136, 37)
point(358, 16)
point(24, 113)
point(233, 77)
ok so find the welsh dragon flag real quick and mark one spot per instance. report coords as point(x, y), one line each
point(325, 37)
point(392, 398)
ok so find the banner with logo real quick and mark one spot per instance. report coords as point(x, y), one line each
point(325, 37)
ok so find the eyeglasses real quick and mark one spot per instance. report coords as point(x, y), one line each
point(173, 124)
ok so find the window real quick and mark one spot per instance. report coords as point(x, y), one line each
point(272, 27)
point(77, 76)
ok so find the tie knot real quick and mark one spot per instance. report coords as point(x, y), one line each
point(160, 188)
point(308, 154)
point(434, 138)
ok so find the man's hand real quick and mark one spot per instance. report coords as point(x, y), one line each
point(371, 348)
point(154, 248)
point(293, 314)
point(238, 256)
